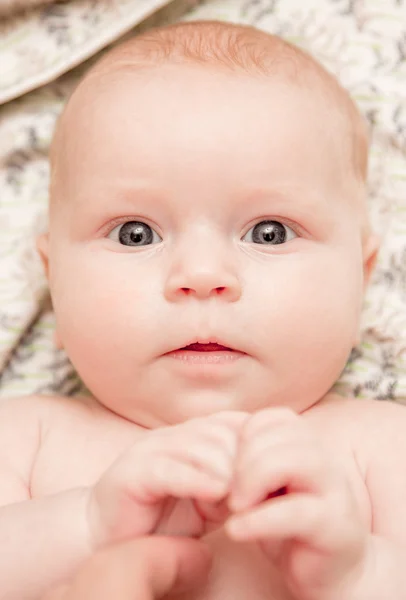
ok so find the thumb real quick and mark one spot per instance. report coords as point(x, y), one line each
point(173, 565)
point(141, 569)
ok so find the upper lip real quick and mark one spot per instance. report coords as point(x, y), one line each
point(206, 340)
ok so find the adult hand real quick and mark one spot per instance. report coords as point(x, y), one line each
point(141, 569)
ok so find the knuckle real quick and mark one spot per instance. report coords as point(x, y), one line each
point(220, 432)
point(284, 412)
point(159, 469)
point(97, 564)
point(279, 415)
point(147, 444)
point(216, 434)
point(312, 513)
point(230, 417)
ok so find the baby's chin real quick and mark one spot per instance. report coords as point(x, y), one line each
point(153, 412)
point(173, 409)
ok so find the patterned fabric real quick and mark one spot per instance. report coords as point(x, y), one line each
point(38, 45)
point(12, 7)
point(364, 43)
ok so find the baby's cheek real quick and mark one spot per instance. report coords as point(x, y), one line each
point(315, 330)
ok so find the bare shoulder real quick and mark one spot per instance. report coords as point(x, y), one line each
point(19, 414)
point(32, 412)
point(50, 436)
point(22, 421)
point(25, 420)
point(372, 428)
point(360, 416)
point(61, 419)
point(20, 440)
point(376, 432)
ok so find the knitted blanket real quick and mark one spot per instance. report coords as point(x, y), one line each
point(362, 41)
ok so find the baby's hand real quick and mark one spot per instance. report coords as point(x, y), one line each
point(292, 497)
point(141, 492)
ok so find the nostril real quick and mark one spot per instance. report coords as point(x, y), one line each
point(220, 289)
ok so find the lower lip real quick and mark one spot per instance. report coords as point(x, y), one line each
point(215, 357)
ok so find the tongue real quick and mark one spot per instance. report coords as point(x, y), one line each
point(205, 347)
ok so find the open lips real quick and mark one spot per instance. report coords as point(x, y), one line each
point(206, 352)
point(211, 347)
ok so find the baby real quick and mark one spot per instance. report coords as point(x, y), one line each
point(207, 255)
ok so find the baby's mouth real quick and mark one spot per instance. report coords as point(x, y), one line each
point(205, 354)
point(211, 347)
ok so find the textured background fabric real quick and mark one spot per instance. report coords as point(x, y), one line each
point(39, 45)
point(362, 41)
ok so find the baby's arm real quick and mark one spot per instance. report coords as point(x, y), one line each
point(41, 540)
point(331, 534)
point(384, 575)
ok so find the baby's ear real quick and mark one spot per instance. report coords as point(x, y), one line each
point(370, 255)
point(43, 251)
point(370, 251)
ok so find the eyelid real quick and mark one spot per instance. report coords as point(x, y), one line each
point(108, 228)
point(298, 229)
point(155, 234)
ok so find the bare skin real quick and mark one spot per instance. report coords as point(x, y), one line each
point(46, 462)
point(142, 569)
point(229, 215)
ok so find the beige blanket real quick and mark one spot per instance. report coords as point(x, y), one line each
point(362, 41)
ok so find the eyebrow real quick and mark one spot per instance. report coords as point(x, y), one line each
point(132, 193)
point(286, 199)
point(279, 198)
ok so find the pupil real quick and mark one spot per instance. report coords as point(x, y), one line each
point(135, 233)
point(269, 232)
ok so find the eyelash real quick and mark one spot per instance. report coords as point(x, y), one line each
point(122, 220)
point(298, 230)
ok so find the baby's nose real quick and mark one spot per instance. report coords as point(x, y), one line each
point(208, 277)
point(206, 285)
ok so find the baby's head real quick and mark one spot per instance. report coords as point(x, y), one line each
point(208, 185)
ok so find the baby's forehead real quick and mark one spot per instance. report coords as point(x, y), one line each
point(167, 90)
point(223, 48)
point(147, 66)
point(188, 101)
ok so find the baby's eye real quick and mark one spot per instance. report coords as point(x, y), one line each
point(270, 233)
point(135, 233)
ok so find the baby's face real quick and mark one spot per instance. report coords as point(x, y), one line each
point(199, 206)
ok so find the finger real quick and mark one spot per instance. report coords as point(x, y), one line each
point(298, 516)
point(268, 418)
point(269, 439)
point(60, 593)
point(189, 565)
point(232, 418)
point(221, 429)
point(143, 569)
point(213, 512)
point(166, 476)
point(295, 467)
point(209, 444)
point(212, 448)
point(204, 455)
